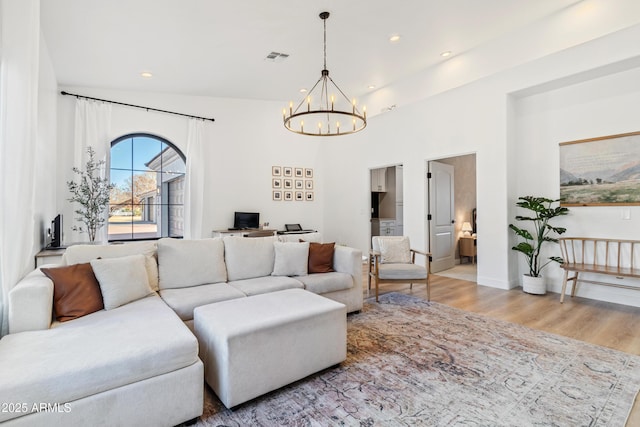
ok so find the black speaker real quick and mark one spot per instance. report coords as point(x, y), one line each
point(56, 232)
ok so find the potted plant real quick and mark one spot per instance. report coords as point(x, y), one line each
point(542, 211)
point(91, 194)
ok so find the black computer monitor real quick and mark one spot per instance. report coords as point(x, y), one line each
point(242, 220)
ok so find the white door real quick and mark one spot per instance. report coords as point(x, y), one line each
point(440, 217)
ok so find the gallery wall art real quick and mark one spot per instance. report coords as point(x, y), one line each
point(292, 184)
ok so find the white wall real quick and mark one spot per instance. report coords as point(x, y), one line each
point(453, 123)
point(598, 107)
point(479, 117)
point(27, 133)
point(245, 141)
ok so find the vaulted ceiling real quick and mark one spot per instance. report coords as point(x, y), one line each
point(216, 48)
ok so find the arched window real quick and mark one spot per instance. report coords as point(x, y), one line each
point(147, 201)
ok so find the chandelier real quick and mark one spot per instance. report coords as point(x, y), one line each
point(324, 113)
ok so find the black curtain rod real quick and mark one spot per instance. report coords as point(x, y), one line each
point(136, 106)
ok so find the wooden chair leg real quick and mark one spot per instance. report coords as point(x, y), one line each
point(411, 285)
point(575, 283)
point(564, 286)
point(377, 290)
point(428, 289)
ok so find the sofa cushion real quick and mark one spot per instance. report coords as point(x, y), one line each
point(184, 263)
point(95, 353)
point(321, 283)
point(248, 257)
point(402, 271)
point(122, 280)
point(263, 285)
point(321, 257)
point(76, 291)
point(77, 254)
point(184, 300)
point(291, 258)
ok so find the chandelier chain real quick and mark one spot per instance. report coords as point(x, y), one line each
point(324, 20)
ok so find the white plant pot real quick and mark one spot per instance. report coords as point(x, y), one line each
point(534, 285)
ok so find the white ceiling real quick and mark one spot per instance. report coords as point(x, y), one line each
point(218, 48)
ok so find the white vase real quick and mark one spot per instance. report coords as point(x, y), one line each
point(534, 285)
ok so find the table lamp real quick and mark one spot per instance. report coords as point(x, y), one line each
point(466, 228)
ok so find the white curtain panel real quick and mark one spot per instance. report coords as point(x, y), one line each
point(92, 128)
point(194, 181)
point(19, 62)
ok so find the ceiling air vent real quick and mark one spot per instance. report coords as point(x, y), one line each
point(276, 57)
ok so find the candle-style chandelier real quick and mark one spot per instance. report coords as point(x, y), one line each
point(324, 113)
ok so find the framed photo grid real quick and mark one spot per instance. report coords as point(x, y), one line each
point(292, 183)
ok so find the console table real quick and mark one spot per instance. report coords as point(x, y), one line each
point(247, 232)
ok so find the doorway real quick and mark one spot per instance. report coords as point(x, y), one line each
point(451, 206)
point(387, 201)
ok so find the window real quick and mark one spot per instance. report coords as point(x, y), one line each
point(147, 201)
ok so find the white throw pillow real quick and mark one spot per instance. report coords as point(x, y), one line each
point(248, 257)
point(292, 259)
point(80, 254)
point(395, 250)
point(122, 280)
point(184, 263)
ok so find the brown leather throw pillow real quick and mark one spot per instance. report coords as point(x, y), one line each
point(321, 257)
point(76, 291)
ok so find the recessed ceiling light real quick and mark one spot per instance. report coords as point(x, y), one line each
point(446, 53)
point(303, 90)
point(146, 75)
point(394, 38)
point(371, 86)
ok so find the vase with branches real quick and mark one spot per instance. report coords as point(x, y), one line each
point(91, 193)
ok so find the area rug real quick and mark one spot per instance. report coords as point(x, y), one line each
point(412, 362)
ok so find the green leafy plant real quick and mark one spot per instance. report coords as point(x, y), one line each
point(542, 211)
point(91, 193)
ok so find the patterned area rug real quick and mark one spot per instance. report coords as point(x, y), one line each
point(411, 362)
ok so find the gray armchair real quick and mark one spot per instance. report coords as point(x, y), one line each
point(392, 260)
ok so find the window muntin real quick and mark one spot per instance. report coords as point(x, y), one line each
point(147, 201)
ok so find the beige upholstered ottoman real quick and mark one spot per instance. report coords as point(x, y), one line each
point(254, 345)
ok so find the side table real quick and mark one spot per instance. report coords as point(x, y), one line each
point(49, 256)
point(468, 247)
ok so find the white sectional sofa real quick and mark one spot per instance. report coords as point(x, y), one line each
point(137, 362)
point(242, 267)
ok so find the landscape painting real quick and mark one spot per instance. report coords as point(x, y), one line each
point(601, 171)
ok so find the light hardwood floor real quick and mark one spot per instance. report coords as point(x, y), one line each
point(610, 325)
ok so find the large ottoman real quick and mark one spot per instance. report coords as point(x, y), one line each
point(254, 345)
